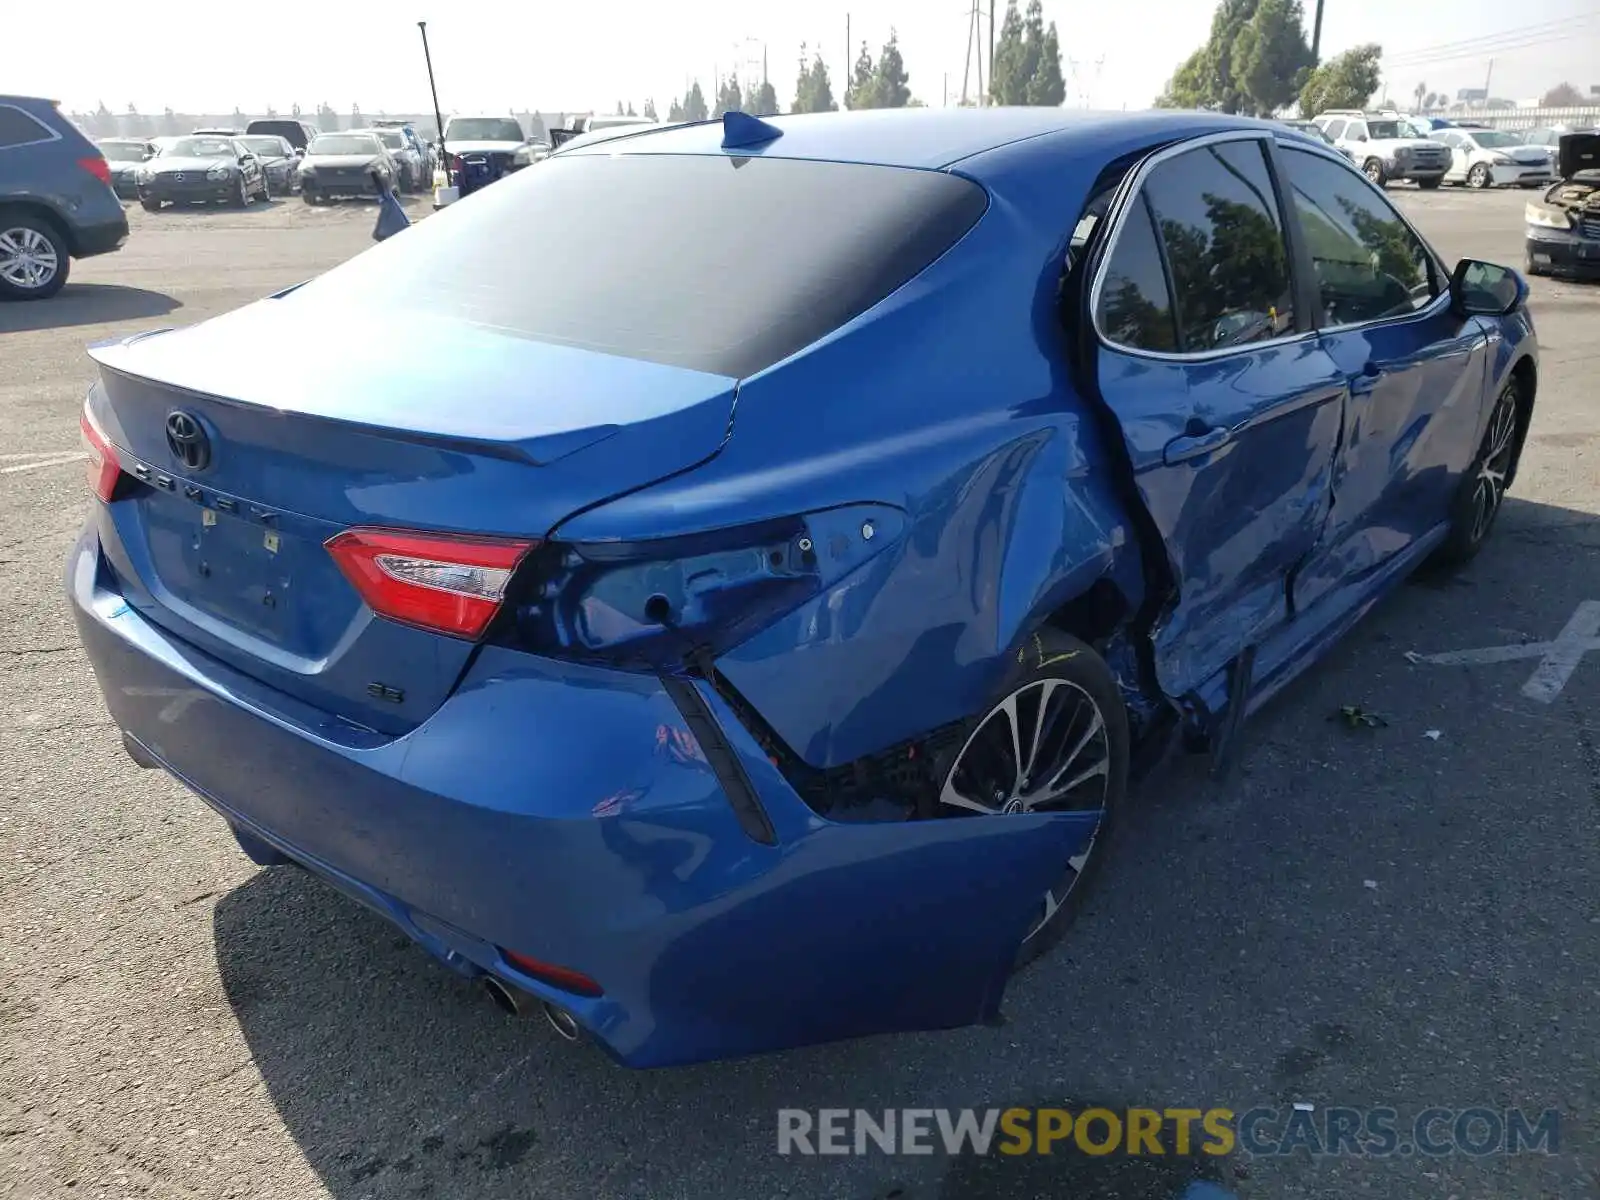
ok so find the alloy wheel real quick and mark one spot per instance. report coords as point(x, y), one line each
point(1478, 177)
point(1044, 748)
point(1499, 443)
point(1373, 171)
point(28, 260)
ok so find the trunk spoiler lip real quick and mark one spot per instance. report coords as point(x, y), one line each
point(537, 451)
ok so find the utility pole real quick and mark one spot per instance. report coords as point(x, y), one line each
point(1488, 75)
point(991, 48)
point(846, 77)
point(1316, 36)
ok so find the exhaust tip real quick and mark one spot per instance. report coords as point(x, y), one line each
point(563, 1022)
point(502, 997)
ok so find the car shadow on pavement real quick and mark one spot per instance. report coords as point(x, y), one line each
point(85, 304)
point(395, 1078)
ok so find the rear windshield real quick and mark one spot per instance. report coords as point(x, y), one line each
point(345, 143)
point(713, 263)
point(483, 129)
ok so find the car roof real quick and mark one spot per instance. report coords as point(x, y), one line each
point(928, 138)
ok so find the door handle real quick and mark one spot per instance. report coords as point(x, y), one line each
point(1193, 445)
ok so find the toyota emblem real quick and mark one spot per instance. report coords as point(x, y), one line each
point(188, 441)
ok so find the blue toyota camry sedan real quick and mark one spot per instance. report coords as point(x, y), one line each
point(740, 632)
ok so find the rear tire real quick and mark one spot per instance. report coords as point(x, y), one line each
point(1479, 177)
point(1064, 705)
point(1428, 185)
point(34, 260)
point(310, 196)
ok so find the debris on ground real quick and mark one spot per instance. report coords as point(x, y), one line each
point(1433, 735)
point(1356, 717)
point(1370, 883)
point(1413, 657)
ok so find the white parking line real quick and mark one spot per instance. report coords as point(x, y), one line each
point(1558, 658)
point(59, 459)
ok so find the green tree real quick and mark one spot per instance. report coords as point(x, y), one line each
point(813, 91)
point(1270, 58)
point(1047, 87)
point(675, 111)
point(650, 110)
point(134, 124)
point(694, 104)
point(1254, 61)
point(761, 99)
point(1189, 86)
point(1009, 84)
point(1027, 59)
point(294, 111)
point(170, 126)
point(729, 97)
point(327, 119)
point(859, 93)
point(890, 81)
point(1563, 95)
point(1345, 81)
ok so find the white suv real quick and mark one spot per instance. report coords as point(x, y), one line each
point(1386, 147)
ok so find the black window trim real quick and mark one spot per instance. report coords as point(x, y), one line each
point(1133, 191)
point(51, 134)
point(1441, 277)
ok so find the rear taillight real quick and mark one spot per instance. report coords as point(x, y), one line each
point(450, 585)
point(97, 167)
point(455, 162)
point(104, 469)
point(564, 978)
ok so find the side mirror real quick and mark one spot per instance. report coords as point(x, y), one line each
point(1484, 289)
point(1360, 137)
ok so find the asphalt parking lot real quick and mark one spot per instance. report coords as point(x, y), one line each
point(1401, 916)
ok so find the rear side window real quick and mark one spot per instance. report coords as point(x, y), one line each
point(714, 263)
point(1217, 215)
point(17, 128)
point(1134, 308)
point(1334, 128)
point(1369, 264)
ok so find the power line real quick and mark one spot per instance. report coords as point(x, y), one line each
point(1500, 44)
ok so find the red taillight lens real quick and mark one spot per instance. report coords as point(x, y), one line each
point(98, 167)
point(564, 978)
point(104, 469)
point(455, 162)
point(445, 584)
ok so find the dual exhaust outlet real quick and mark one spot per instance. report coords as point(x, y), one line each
point(518, 1003)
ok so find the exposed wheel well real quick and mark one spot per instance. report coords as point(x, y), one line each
point(1526, 374)
point(1094, 615)
point(48, 215)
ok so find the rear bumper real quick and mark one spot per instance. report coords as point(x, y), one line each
point(1563, 253)
point(102, 237)
point(572, 814)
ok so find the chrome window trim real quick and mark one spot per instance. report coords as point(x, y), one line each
point(1131, 191)
point(1439, 302)
point(54, 135)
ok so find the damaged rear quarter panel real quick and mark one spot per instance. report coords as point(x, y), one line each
point(951, 401)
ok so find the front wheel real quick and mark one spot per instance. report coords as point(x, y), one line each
point(1479, 177)
point(1373, 170)
point(310, 196)
point(1055, 741)
point(1482, 489)
point(241, 197)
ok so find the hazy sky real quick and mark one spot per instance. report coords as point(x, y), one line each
point(493, 56)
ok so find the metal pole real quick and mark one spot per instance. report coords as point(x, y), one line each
point(1486, 78)
point(991, 49)
point(438, 117)
point(847, 76)
point(1316, 35)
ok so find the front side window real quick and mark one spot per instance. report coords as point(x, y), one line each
point(1134, 308)
point(1217, 217)
point(1369, 264)
point(1357, 130)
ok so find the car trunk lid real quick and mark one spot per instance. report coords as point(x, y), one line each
point(240, 476)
